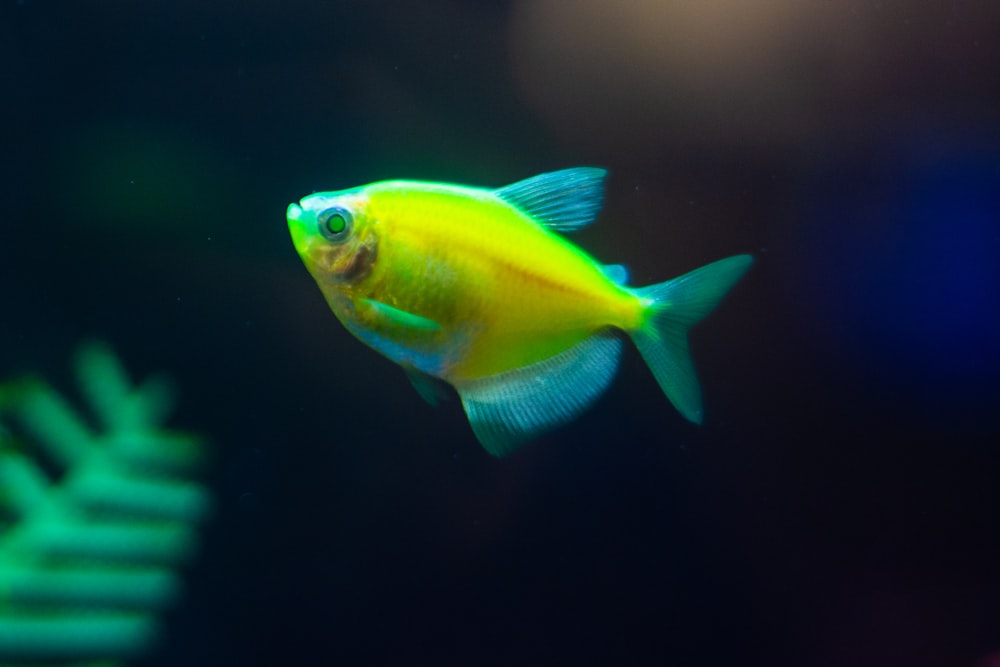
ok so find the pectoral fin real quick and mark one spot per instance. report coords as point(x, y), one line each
point(395, 317)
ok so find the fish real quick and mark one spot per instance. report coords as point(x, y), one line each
point(477, 288)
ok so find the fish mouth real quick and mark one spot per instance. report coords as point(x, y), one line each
point(297, 227)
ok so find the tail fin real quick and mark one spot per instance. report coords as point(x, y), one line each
point(675, 306)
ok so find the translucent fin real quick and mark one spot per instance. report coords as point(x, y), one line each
point(508, 409)
point(563, 200)
point(675, 307)
point(616, 273)
point(401, 318)
point(429, 387)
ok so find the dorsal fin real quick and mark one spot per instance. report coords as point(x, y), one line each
point(563, 200)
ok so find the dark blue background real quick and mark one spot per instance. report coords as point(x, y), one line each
point(838, 507)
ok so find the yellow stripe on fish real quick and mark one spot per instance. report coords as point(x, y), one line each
point(474, 287)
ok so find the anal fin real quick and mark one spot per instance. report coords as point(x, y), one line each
point(508, 409)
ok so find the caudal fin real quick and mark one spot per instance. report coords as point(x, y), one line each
point(674, 307)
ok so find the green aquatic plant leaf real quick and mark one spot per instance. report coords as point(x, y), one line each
point(94, 516)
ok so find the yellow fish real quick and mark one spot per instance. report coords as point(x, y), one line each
point(474, 287)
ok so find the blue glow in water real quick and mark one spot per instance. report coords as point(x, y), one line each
point(904, 253)
point(940, 296)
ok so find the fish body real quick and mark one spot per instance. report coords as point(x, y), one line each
point(476, 287)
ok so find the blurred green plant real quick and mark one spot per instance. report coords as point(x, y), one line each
point(93, 518)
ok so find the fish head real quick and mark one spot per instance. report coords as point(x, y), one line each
point(334, 236)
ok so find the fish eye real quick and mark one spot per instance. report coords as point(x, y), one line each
point(334, 224)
